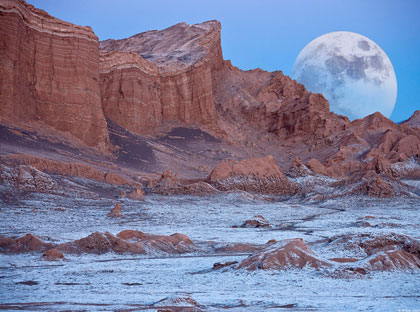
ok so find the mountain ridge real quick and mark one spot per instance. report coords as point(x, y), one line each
point(68, 87)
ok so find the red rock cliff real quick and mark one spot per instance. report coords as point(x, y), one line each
point(56, 74)
point(49, 74)
point(160, 76)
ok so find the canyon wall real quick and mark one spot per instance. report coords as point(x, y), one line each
point(49, 74)
point(57, 75)
point(160, 76)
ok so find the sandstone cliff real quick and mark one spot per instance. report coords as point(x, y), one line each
point(49, 74)
point(167, 100)
point(161, 76)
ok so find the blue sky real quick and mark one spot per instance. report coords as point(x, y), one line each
point(268, 33)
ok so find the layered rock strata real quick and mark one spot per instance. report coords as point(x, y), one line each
point(161, 76)
point(49, 74)
point(56, 76)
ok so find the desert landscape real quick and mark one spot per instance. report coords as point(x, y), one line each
point(150, 174)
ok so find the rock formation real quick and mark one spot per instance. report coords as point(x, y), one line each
point(116, 211)
point(49, 71)
point(27, 178)
point(125, 96)
point(298, 169)
point(178, 303)
point(128, 241)
point(160, 76)
point(257, 175)
point(136, 194)
point(43, 167)
point(256, 222)
point(53, 255)
point(171, 184)
point(283, 255)
point(414, 120)
point(381, 252)
point(393, 260)
point(27, 243)
point(370, 253)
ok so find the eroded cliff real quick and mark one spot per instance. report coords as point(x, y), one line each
point(49, 74)
point(167, 76)
point(166, 100)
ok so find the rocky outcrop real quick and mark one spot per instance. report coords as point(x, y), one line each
point(130, 91)
point(292, 110)
point(221, 265)
point(257, 175)
point(366, 183)
point(66, 168)
point(374, 186)
point(318, 168)
point(27, 243)
point(369, 252)
point(393, 260)
point(49, 71)
point(387, 252)
point(414, 120)
point(53, 255)
point(290, 253)
point(27, 178)
point(177, 303)
point(159, 76)
point(256, 222)
point(298, 169)
point(128, 241)
point(136, 194)
point(260, 102)
point(116, 211)
point(58, 78)
point(171, 184)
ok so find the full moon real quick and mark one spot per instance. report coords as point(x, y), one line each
point(351, 71)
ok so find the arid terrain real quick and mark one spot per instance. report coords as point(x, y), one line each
point(150, 174)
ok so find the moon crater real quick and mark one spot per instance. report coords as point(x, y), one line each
point(351, 71)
